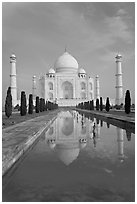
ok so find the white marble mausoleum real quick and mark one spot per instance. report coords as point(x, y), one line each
point(66, 83)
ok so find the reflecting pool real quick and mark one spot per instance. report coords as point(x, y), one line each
point(78, 158)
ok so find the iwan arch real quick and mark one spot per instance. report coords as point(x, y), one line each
point(66, 83)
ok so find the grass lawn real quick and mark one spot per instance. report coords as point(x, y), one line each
point(17, 118)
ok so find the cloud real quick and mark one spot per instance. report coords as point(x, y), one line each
point(117, 28)
point(121, 12)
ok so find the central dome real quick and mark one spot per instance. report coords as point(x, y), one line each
point(66, 63)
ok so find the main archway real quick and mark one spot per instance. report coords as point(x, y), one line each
point(67, 89)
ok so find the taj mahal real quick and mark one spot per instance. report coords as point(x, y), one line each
point(66, 83)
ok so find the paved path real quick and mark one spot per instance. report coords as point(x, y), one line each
point(18, 138)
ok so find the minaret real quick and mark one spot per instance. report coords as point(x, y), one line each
point(34, 87)
point(119, 85)
point(120, 141)
point(97, 87)
point(13, 81)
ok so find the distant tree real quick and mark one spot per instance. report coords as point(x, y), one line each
point(101, 104)
point(107, 104)
point(37, 107)
point(23, 107)
point(8, 103)
point(127, 102)
point(30, 110)
point(97, 104)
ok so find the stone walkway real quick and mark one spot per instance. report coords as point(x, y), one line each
point(18, 138)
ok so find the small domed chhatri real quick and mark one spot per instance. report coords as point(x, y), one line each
point(51, 71)
point(66, 63)
point(13, 55)
point(82, 71)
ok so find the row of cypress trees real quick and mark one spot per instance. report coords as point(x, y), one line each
point(40, 104)
point(89, 105)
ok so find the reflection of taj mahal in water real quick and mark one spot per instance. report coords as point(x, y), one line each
point(70, 133)
point(67, 84)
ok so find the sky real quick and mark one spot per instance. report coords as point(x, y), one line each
point(94, 32)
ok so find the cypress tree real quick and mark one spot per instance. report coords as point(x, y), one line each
point(127, 102)
point(101, 104)
point(92, 104)
point(41, 105)
point(97, 104)
point(37, 105)
point(8, 103)
point(107, 104)
point(30, 110)
point(23, 107)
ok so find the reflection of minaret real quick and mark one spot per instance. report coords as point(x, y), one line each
point(128, 134)
point(34, 87)
point(97, 87)
point(119, 85)
point(13, 82)
point(120, 140)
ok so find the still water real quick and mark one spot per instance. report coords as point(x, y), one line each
point(77, 159)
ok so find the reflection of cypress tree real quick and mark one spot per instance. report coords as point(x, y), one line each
point(97, 120)
point(128, 134)
point(101, 123)
point(91, 117)
point(108, 125)
point(8, 103)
